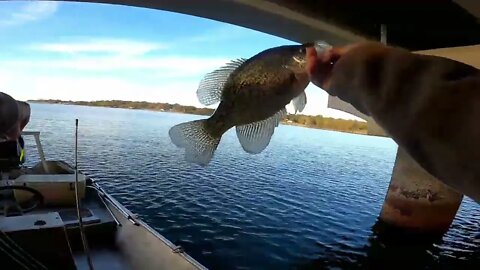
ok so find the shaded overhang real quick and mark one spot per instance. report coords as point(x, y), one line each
point(414, 25)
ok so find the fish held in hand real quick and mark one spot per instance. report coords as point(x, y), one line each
point(252, 95)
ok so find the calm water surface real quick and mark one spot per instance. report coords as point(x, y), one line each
point(309, 201)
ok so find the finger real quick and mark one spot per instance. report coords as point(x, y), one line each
point(312, 65)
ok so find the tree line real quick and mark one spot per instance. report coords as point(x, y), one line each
point(317, 121)
point(139, 105)
point(321, 122)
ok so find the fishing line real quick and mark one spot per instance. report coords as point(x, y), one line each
point(77, 198)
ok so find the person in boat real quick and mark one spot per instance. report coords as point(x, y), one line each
point(429, 105)
point(14, 116)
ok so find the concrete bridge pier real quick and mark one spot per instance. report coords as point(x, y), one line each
point(416, 201)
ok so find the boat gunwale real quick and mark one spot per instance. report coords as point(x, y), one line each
point(139, 222)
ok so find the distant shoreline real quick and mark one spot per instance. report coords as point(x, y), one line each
point(307, 121)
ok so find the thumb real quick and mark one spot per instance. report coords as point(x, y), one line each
point(312, 66)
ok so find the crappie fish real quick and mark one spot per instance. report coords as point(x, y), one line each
point(429, 105)
point(253, 94)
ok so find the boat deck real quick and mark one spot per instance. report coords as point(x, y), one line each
point(116, 240)
point(60, 226)
point(102, 259)
point(45, 234)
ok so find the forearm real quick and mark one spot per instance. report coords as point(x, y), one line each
point(429, 105)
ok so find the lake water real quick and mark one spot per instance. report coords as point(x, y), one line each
point(309, 201)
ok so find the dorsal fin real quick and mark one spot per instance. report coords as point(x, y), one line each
point(211, 86)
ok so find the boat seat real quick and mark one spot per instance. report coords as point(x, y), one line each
point(43, 236)
point(57, 189)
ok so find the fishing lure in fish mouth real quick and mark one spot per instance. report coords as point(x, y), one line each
point(300, 61)
point(320, 46)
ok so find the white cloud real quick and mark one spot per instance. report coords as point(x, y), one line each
point(114, 46)
point(114, 55)
point(222, 33)
point(28, 12)
point(163, 66)
point(123, 75)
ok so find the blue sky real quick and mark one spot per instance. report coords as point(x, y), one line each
point(85, 51)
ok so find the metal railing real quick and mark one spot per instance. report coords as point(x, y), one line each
point(38, 143)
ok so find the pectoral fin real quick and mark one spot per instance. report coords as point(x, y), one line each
point(256, 136)
point(299, 102)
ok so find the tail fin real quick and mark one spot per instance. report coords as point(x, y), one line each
point(194, 137)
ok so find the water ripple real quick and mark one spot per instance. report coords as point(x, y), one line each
point(309, 201)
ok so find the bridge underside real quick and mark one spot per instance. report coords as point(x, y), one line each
point(415, 25)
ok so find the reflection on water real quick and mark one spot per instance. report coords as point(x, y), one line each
point(393, 249)
point(309, 201)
